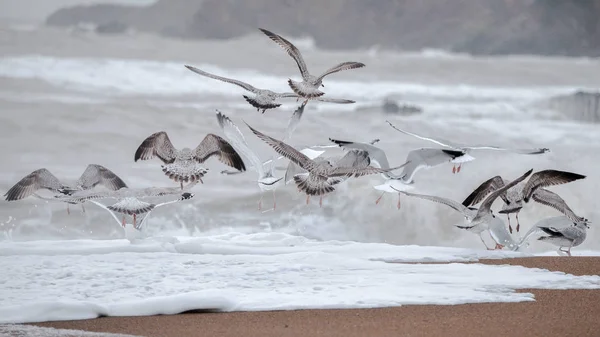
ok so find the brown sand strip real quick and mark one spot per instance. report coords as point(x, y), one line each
point(554, 313)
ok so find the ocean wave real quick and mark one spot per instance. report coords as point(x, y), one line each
point(109, 76)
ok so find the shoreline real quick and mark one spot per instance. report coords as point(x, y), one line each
point(553, 313)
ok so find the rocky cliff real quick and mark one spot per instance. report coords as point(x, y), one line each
point(548, 27)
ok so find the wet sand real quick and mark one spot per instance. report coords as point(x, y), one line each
point(553, 313)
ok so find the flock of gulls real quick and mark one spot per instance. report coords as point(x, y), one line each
point(316, 175)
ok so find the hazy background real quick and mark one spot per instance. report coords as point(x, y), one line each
point(87, 84)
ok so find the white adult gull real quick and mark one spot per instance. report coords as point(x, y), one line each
point(93, 175)
point(184, 165)
point(418, 158)
point(560, 231)
point(309, 87)
point(468, 148)
point(316, 182)
point(266, 178)
point(477, 220)
point(264, 99)
point(515, 197)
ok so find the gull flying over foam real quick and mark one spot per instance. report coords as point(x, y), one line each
point(418, 159)
point(523, 192)
point(316, 182)
point(467, 148)
point(560, 231)
point(309, 87)
point(127, 198)
point(93, 175)
point(477, 220)
point(184, 165)
point(264, 99)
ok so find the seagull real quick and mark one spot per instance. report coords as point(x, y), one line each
point(477, 220)
point(560, 231)
point(316, 182)
point(184, 165)
point(266, 178)
point(264, 99)
point(127, 198)
point(419, 158)
point(467, 149)
point(93, 175)
point(309, 87)
point(134, 207)
point(523, 192)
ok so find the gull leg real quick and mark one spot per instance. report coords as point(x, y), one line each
point(68, 210)
point(509, 226)
point(307, 198)
point(379, 199)
point(454, 168)
point(398, 201)
point(260, 201)
point(458, 169)
point(123, 222)
point(82, 208)
point(181, 184)
point(134, 220)
point(321, 201)
point(274, 202)
point(499, 246)
point(485, 244)
point(518, 225)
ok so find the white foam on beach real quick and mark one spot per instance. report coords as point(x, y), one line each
point(108, 76)
point(20, 330)
point(80, 279)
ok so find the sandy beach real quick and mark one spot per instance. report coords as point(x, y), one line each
point(554, 313)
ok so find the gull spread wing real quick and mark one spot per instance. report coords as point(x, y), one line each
point(334, 100)
point(224, 79)
point(484, 189)
point(359, 171)
point(294, 121)
point(545, 178)
point(286, 150)
point(468, 213)
point(377, 155)
point(158, 144)
point(551, 199)
point(235, 136)
point(96, 174)
point(496, 148)
point(440, 142)
point(340, 67)
point(486, 205)
point(213, 145)
point(32, 182)
point(355, 158)
point(427, 158)
point(291, 50)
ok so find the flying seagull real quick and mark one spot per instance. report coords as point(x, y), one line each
point(264, 99)
point(316, 182)
point(467, 148)
point(523, 192)
point(93, 175)
point(309, 87)
point(418, 158)
point(477, 220)
point(184, 165)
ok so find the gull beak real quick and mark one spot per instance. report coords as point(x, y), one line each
point(323, 85)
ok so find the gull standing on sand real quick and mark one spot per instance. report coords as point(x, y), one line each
point(477, 220)
point(309, 87)
point(419, 158)
point(316, 182)
point(93, 175)
point(560, 231)
point(127, 198)
point(264, 99)
point(184, 165)
point(467, 149)
point(523, 192)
